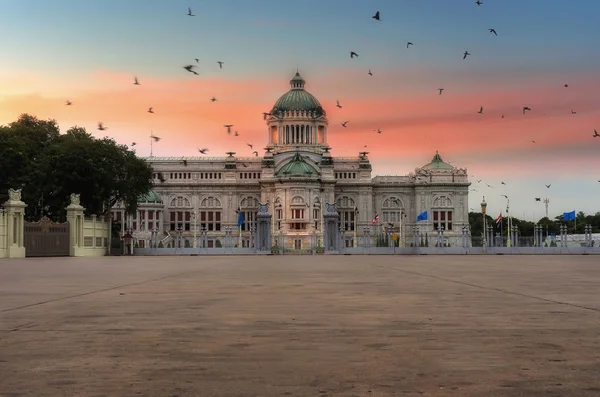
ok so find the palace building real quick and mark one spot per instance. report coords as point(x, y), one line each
point(296, 176)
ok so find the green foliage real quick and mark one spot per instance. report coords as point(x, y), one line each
point(49, 167)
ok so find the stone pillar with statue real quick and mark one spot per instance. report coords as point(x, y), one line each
point(263, 229)
point(15, 225)
point(75, 219)
point(331, 218)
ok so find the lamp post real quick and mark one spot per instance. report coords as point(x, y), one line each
point(153, 238)
point(252, 241)
point(203, 236)
point(342, 230)
point(179, 237)
point(483, 208)
point(195, 227)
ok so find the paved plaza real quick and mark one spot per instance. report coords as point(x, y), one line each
point(301, 326)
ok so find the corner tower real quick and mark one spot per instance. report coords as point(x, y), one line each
point(297, 121)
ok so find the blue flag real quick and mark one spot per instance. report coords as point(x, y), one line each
point(422, 216)
point(240, 218)
point(569, 216)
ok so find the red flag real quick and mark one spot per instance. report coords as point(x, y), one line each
point(499, 219)
point(375, 219)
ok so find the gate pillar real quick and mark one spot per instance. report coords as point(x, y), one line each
point(15, 227)
point(262, 242)
point(75, 219)
point(331, 233)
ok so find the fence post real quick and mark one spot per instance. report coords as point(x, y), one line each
point(75, 219)
point(15, 224)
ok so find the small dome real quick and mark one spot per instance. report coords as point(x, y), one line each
point(297, 167)
point(298, 99)
point(437, 163)
point(151, 197)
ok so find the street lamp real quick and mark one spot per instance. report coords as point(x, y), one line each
point(195, 227)
point(483, 208)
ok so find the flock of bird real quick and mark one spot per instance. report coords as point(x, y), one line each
point(191, 68)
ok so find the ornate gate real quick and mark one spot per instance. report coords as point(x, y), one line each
point(46, 238)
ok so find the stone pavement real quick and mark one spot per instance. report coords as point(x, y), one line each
point(300, 326)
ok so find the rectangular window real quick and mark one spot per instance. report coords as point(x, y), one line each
point(210, 220)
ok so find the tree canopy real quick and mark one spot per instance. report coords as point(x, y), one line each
point(49, 166)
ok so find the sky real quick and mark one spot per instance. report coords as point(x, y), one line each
point(89, 53)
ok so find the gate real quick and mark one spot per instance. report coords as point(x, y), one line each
point(46, 238)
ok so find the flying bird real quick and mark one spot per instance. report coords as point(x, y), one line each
point(378, 130)
point(236, 134)
point(532, 141)
point(504, 195)
point(255, 153)
point(409, 44)
point(493, 31)
point(370, 74)
point(502, 182)
point(68, 103)
point(156, 139)
point(190, 68)
point(197, 60)
point(573, 112)
point(344, 123)
point(525, 109)
point(353, 54)
point(338, 104)
point(150, 110)
point(213, 99)
point(478, 3)
point(538, 199)
point(184, 162)
point(220, 64)
point(136, 82)
point(190, 12)
point(596, 135)
point(548, 186)
point(566, 85)
point(228, 126)
point(249, 145)
point(480, 110)
point(101, 127)
point(133, 143)
point(376, 16)
point(502, 116)
point(203, 151)
point(440, 90)
point(466, 54)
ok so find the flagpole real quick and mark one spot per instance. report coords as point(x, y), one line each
point(508, 242)
point(501, 233)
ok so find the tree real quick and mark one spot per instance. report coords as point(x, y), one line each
point(100, 170)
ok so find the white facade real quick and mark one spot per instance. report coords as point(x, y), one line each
point(296, 176)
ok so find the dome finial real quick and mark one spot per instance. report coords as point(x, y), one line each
point(297, 82)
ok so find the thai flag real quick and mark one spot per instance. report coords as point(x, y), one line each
point(499, 219)
point(375, 219)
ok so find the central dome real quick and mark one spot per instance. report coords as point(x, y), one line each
point(298, 99)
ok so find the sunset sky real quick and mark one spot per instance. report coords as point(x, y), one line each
point(90, 51)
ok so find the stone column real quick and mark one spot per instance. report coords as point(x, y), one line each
point(15, 218)
point(330, 232)
point(75, 219)
point(262, 239)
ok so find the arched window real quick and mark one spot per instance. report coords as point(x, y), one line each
point(391, 210)
point(347, 209)
point(180, 202)
point(210, 214)
point(442, 213)
point(180, 213)
point(249, 207)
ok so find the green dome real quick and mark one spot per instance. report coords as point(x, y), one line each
point(297, 98)
point(151, 197)
point(438, 164)
point(297, 167)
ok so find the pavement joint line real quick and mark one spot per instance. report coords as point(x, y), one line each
point(490, 288)
point(10, 309)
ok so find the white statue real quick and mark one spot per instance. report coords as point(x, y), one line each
point(74, 199)
point(14, 195)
